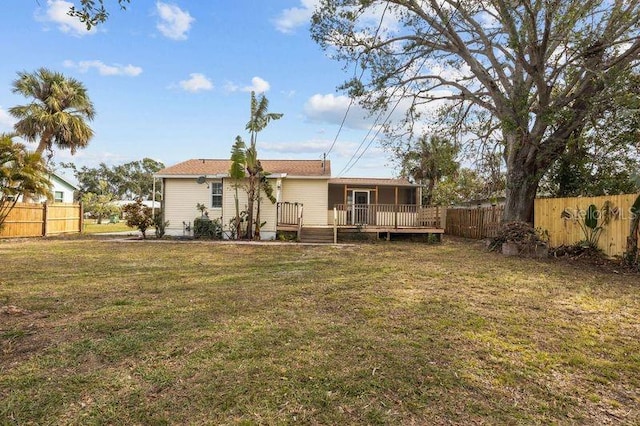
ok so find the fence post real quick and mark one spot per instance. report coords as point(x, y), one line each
point(81, 208)
point(45, 216)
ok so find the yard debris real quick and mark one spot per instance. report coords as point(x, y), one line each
point(584, 255)
point(521, 238)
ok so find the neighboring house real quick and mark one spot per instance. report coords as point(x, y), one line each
point(306, 196)
point(61, 190)
point(148, 203)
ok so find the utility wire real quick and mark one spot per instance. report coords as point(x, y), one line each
point(351, 161)
point(346, 113)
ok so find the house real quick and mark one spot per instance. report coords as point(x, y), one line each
point(307, 198)
point(62, 190)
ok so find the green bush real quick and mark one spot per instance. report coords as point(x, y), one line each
point(203, 227)
point(160, 224)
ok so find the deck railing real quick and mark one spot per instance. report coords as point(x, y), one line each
point(387, 215)
point(289, 213)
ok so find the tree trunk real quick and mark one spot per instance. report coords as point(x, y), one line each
point(428, 197)
point(237, 219)
point(256, 235)
point(521, 193)
point(251, 193)
point(45, 142)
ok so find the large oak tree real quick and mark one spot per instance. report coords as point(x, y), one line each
point(525, 73)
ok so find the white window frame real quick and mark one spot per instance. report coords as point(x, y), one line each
point(215, 195)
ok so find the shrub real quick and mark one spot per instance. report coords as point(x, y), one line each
point(138, 216)
point(160, 224)
point(203, 227)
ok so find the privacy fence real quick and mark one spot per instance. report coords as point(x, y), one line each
point(39, 220)
point(478, 223)
point(562, 219)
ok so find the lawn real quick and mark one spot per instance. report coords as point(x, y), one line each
point(92, 227)
point(112, 332)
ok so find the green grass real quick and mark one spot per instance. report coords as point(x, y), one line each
point(170, 332)
point(91, 227)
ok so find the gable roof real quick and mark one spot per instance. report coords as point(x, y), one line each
point(204, 167)
point(63, 181)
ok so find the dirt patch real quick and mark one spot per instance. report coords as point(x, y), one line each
point(20, 332)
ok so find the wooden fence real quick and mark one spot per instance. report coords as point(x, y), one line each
point(564, 228)
point(478, 223)
point(38, 220)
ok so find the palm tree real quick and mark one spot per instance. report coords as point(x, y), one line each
point(258, 121)
point(237, 173)
point(432, 159)
point(58, 112)
point(21, 172)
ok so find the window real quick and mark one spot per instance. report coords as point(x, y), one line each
point(58, 196)
point(216, 195)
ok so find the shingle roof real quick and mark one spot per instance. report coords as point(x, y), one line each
point(371, 181)
point(200, 167)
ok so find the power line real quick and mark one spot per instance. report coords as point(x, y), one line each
point(349, 164)
point(353, 162)
point(346, 113)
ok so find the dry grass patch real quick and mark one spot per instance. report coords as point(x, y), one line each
point(144, 332)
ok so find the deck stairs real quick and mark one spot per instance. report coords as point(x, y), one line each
point(319, 235)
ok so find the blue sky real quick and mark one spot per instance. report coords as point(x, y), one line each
point(170, 80)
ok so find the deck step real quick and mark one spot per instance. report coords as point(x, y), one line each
point(316, 235)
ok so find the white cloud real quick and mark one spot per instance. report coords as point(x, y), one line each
point(258, 85)
point(291, 148)
point(229, 86)
point(332, 109)
point(104, 69)
point(57, 12)
point(196, 83)
point(295, 17)
point(174, 22)
point(6, 121)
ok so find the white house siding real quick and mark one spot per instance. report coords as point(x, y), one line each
point(180, 199)
point(58, 187)
point(62, 187)
point(267, 210)
point(312, 193)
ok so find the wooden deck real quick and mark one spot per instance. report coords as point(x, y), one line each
point(387, 219)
